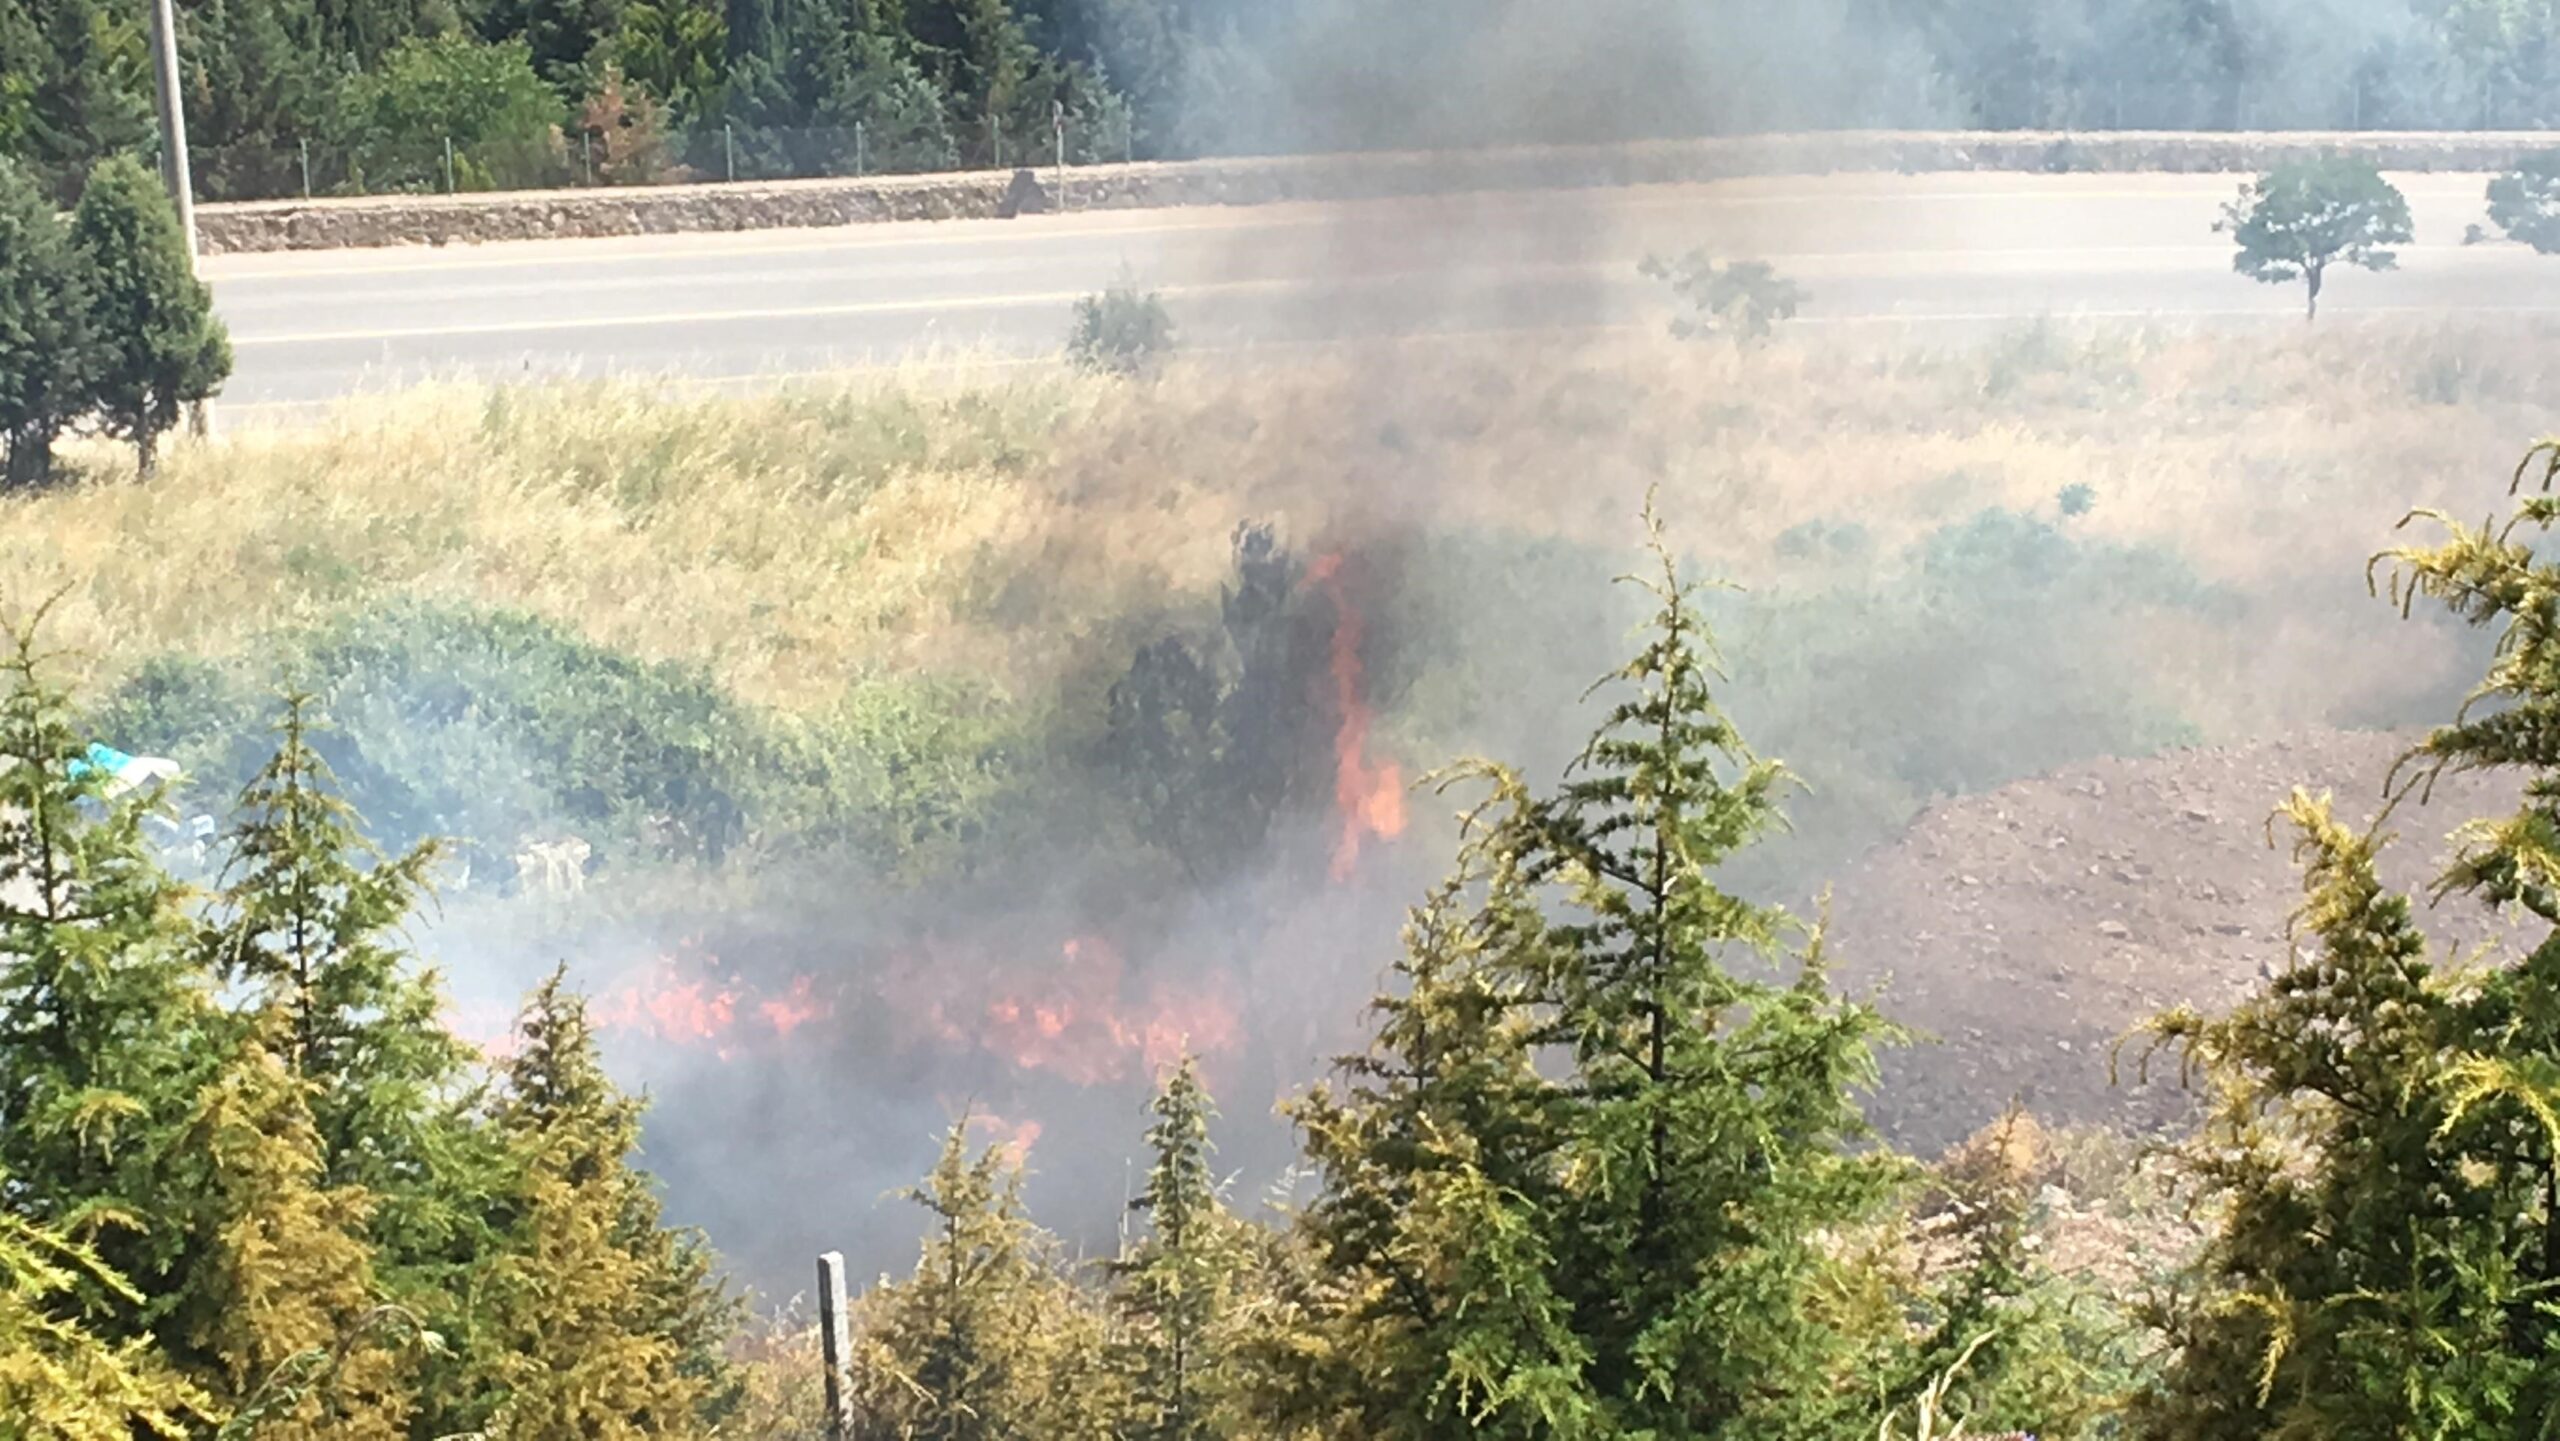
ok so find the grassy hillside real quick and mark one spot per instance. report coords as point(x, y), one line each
point(950, 520)
point(1016, 528)
point(943, 741)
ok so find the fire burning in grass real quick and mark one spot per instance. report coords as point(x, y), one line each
point(1077, 1019)
point(1368, 796)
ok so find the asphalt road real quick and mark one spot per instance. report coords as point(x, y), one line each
point(1929, 253)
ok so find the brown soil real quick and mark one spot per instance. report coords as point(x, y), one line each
point(2029, 928)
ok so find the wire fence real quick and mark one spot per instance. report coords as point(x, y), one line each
point(314, 169)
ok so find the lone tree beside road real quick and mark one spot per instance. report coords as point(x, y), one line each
point(159, 346)
point(2525, 202)
point(2298, 219)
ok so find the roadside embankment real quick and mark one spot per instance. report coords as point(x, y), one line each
point(649, 210)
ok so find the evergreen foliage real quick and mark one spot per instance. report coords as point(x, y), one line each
point(249, 69)
point(284, 1275)
point(106, 1024)
point(2297, 220)
point(86, 94)
point(987, 1339)
point(46, 357)
point(2385, 1134)
point(159, 346)
point(1577, 1186)
point(308, 927)
point(1175, 1291)
point(239, 1181)
point(58, 1379)
point(1156, 78)
point(596, 1321)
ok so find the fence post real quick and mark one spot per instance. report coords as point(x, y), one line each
point(587, 154)
point(857, 150)
point(305, 146)
point(1058, 124)
point(836, 1345)
point(450, 187)
point(995, 135)
point(729, 147)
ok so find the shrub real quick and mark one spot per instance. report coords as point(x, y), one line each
point(481, 726)
point(158, 345)
point(1740, 299)
point(1122, 331)
point(485, 727)
point(502, 119)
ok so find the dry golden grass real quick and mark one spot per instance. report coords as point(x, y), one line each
point(984, 518)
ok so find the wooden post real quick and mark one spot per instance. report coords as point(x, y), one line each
point(837, 1343)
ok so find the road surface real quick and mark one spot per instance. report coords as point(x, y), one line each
point(1931, 252)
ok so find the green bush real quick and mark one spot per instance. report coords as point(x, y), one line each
point(1738, 299)
point(489, 727)
point(158, 345)
point(504, 122)
point(483, 726)
point(1122, 331)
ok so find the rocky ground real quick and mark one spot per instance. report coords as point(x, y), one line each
point(2029, 928)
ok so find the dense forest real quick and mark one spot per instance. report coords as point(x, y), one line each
point(337, 96)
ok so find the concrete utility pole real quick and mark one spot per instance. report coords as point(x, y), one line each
point(173, 121)
point(173, 157)
point(836, 1341)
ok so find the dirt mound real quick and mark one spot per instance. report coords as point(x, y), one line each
point(2028, 928)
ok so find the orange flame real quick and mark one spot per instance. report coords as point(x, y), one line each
point(1017, 1137)
point(1075, 1021)
point(1369, 797)
point(700, 1006)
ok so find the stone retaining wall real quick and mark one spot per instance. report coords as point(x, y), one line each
point(563, 214)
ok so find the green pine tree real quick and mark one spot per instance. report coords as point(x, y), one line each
point(310, 920)
point(1426, 1303)
point(1591, 1178)
point(254, 87)
point(106, 1021)
point(281, 1306)
point(45, 353)
point(595, 1322)
point(1709, 1121)
point(2384, 1143)
point(159, 345)
point(1176, 1289)
point(59, 1381)
point(987, 1340)
point(89, 96)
